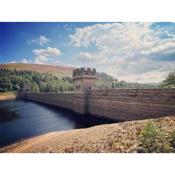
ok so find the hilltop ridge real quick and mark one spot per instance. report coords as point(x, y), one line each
point(39, 68)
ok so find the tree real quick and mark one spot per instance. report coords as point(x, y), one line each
point(16, 87)
point(35, 87)
point(5, 84)
point(42, 87)
point(169, 82)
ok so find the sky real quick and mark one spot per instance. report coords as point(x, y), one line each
point(134, 52)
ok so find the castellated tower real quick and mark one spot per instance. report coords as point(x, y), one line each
point(84, 79)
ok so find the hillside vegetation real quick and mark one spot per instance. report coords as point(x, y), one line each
point(14, 80)
point(47, 78)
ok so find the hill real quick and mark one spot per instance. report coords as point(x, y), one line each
point(60, 70)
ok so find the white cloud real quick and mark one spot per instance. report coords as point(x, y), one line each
point(47, 56)
point(128, 51)
point(12, 62)
point(24, 61)
point(92, 58)
point(42, 40)
point(49, 51)
point(41, 60)
point(43, 56)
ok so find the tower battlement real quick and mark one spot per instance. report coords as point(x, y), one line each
point(84, 79)
point(84, 71)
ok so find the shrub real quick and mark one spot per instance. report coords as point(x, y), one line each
point(152, 139)
point(173, 140)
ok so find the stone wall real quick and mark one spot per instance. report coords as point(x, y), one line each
point(132, 104)
point(70, 101)
point(118, 104)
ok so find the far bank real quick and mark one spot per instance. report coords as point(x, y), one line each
point(8, 95)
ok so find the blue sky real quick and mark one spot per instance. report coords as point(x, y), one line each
point(142, 52)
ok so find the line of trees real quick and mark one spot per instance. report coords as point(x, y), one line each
point(108, 82)
point(13, 80)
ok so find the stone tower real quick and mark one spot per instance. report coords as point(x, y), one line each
point(26, 88)
point(84, 79)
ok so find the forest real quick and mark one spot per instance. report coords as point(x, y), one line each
point(14, 80)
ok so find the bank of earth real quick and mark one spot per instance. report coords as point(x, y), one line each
point(119, 137)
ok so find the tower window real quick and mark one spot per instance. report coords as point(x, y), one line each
point(89, 87)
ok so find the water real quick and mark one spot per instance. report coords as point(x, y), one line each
point(24, 119)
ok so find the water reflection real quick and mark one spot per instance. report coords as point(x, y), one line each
point(26, 119)
point(7, 115)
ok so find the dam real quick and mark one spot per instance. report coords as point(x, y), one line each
point(113, 104)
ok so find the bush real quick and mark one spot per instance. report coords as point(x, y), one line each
point(173, 140)
point(152, 139)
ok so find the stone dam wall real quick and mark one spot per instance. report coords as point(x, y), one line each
point(118, 104)
point(132, 104)
point(74, 102)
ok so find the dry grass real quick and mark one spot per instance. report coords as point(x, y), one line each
point(38, 68)
point(119, 138)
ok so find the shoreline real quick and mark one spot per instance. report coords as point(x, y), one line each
point(8, 96)
point(117, 138)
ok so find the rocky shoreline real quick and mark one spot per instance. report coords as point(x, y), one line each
point(117, 138)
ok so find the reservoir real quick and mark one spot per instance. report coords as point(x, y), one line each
point(23, 119)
